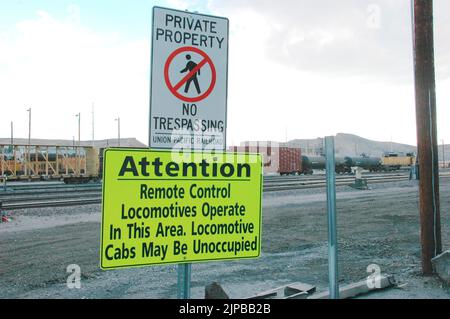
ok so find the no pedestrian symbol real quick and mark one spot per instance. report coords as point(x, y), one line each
point(195, 80)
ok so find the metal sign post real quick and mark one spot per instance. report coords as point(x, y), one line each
point(332, 232)
point(188, 88)
point(184, 281)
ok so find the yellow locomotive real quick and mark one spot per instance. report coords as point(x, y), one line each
point(394, 161)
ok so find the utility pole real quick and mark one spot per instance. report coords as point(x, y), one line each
point(79, 126)
point(29, 141)
point(12, 133)
point(78, 148)
point(93, 137)
point(29, 126)
point(391, 149)
point(118, 130)
point(430, 227)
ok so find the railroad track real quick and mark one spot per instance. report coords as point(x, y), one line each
point(52, 203)
point(277, 178)
point(317, 179)
point(21, 196)
point(49, 197)
point(71, 196)
point(322, 183)
point(274, 185)
point(46, 187)
point(44, 192)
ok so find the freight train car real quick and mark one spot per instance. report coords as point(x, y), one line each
point(372, 164)
point(313, 162)
point(71, 164)
point(394, 161)
point(277, 160)
point(310, 163)
point(343, 165)
point(42, 162)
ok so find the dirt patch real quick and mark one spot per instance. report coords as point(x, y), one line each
point(379, 226)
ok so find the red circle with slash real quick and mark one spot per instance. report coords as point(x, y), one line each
point(174, 88)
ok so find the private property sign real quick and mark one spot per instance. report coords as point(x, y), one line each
point(164, 207)
point(188, 94)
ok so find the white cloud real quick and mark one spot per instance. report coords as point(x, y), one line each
point(59, 68)
point(191, 5)
point(318, 68)
point(311, 67)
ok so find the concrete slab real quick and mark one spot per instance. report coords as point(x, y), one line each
point(297, 287)
point(295, 290)
point(358, 288)
point(215, 291)
point(441, 265)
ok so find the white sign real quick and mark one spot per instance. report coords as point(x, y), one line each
point(188, 95)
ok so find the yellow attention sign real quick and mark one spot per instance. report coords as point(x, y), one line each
point(163, 207)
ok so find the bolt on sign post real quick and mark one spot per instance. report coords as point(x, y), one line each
point(188, 85)
point(166, 207)
point(332, 225)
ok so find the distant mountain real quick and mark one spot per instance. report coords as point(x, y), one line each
point(345, 145)
point(351, 145)
point(348, 145)
point(124, 142)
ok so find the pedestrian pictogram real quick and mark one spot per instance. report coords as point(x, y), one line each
point(181, 87)
point(190, 66)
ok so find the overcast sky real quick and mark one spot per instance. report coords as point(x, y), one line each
point(297, 68)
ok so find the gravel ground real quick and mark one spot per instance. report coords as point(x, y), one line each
point(379, 226)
